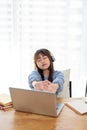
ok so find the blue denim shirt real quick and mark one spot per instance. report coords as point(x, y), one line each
point(58, 78)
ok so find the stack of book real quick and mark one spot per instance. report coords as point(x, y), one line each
point(5, 101)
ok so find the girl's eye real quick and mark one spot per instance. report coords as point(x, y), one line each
point(45, 57)
point(38, 60)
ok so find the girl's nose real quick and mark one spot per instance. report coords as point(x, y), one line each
point(42, 60)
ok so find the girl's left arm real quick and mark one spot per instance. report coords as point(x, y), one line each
point(58, 78)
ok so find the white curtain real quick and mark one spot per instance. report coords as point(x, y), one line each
point(27, 25)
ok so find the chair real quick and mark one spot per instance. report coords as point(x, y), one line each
point(67, 92)
point(86, 90)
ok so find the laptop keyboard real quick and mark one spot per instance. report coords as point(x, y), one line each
point(59, 107)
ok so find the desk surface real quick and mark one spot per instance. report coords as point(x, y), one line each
point(67, 120)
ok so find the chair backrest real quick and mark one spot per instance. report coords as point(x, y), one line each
point(86, 90)
point(66, 87)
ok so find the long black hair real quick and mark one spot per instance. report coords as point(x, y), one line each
point(51, 67)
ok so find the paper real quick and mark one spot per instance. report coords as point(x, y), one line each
point(78, 106)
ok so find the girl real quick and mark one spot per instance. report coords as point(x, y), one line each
point(44, 77)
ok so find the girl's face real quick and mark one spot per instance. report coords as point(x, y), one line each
point(43, 62)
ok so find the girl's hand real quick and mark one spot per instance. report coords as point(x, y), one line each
point(52, 87)
point(41, 85)
point(46, 86)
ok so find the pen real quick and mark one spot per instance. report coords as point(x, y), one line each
point(2, 108)
point(5, 107)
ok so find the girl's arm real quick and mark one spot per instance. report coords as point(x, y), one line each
point(34, 76)
point(58, 78)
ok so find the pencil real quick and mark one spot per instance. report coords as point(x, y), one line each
point(5, 107)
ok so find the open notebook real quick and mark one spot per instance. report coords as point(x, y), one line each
point(33, 101)
point(79, 106)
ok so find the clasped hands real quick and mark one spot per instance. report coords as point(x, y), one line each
point(45, 86)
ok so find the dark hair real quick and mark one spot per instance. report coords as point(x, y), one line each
point(51, 67)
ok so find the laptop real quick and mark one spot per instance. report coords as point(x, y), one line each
point(35, 101)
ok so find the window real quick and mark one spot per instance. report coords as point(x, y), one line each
point(31, 24)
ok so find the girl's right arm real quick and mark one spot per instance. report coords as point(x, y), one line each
point(33, 77)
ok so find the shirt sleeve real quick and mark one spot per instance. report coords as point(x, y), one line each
point(58, 78)
point(34, 76)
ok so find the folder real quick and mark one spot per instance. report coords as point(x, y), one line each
point(79, 106)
